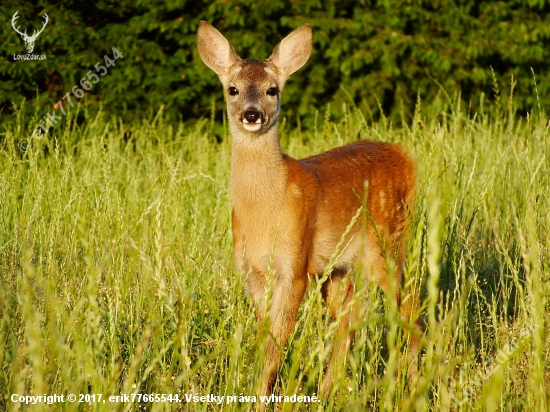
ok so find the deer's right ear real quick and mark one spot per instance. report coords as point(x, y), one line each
point(293, 51)
point(215, 50)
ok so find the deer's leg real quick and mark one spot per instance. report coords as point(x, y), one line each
point(408, 301)
point(282, 310)
point(376, 268)
point(338, 293)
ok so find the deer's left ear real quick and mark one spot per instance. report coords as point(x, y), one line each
point(293, 51)
point(215, 50)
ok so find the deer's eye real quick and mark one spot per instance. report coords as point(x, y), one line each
point(272, 91)
point(233, 91)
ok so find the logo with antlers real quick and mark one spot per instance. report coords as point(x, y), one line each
point(29, 40)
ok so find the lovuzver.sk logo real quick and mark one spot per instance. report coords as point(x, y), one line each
point(29, 40)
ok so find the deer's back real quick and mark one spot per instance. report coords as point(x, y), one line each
point(383, 165)
point(343, 174)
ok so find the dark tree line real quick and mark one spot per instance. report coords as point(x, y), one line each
point(380, 54)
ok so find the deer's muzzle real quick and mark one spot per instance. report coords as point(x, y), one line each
point(252, 119)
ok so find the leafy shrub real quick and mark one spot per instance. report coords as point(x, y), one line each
point(380, 54)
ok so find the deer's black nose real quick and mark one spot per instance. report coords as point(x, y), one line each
point(251, 115)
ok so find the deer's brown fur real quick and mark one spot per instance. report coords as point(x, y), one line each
point(294, 212)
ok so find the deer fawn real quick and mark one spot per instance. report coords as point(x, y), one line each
point(289, 215)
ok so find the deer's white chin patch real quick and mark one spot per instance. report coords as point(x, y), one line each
point(252, 127)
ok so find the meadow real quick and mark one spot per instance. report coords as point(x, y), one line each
point(116, 274)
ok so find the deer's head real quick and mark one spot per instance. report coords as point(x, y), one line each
point(253, 87)
point(29, 40)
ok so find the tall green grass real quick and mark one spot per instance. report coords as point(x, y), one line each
point(116, 273)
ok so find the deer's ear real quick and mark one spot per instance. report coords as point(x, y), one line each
point(293, 51)
point(214, 49)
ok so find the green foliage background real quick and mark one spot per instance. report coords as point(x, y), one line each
point(388, 51)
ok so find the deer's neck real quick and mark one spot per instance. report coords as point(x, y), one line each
point(258, 174)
